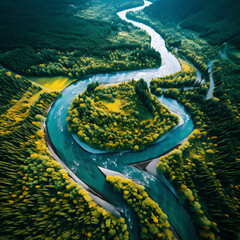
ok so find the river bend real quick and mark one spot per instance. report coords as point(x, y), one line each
point(84, 164)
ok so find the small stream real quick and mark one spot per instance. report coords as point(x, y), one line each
point(212, 85)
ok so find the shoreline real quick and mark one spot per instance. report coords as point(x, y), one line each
point(151, 160)
point(143, 165)
point(89, 149)
point(96, 197)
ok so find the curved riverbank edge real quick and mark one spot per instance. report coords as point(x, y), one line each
point(185, 230)
point(106, 172)
point(86, 147)
point(150, 167)
point(96, 197)
point(89, 149)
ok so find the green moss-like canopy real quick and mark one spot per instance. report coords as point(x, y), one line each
point(119, 117)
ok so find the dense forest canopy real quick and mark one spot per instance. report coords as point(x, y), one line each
point(75, 38)
point(53, 24)
point(42, 23)
point(119, 117)
point(70, 38)
point(217, 20)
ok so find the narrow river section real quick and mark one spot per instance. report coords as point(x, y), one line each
point(85, 164)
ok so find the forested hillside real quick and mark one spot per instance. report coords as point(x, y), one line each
point(70, 38)
point(52, 24)
point(38, 199)
point(217, 20)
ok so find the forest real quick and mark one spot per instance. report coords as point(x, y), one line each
point(40, 38)
point(204, 170)
point(216, 20)
point(119, 117)
point(38, 199)
point(67, 40)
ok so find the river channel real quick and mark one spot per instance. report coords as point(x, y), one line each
point(85, 164)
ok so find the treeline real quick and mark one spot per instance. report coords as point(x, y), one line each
point(72, 42)
point(186, 42)
point(121, 117)
point(215, 20)
point(50, 62)
point(209, 166)
point(38, 200)
point(184, 78)
point(153, 222)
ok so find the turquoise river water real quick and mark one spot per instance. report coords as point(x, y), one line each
point(84, 164)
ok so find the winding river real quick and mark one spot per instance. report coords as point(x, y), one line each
point(85, 164)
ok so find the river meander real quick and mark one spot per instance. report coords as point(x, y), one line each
point(84, 164)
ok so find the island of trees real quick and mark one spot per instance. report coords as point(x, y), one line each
point(119, 117)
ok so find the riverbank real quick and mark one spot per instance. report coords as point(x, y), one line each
point(85, 163)
point(96, 197)
point(143, 165)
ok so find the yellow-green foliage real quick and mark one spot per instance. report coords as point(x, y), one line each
point(111, 60)
point(185, 77)
point(57, 206)
point(52, 83)
point(119, 117)
point(39, 201)
point(153, 222)
point(180, 164)
point(14, 116)
point(97, 41)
